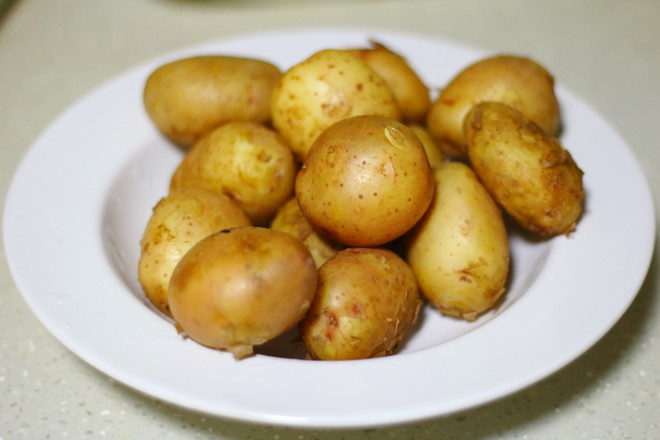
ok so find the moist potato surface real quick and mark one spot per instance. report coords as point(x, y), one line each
point(242, 287)
point(366, 181)
point(247, 161)
point(527, 171)
point(366, 302)
point(189, 97)
point(459, 251)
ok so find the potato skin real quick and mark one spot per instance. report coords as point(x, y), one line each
point(459, 251)
point(327, 87)
point(242, 287)
point(528, 172)
point(366, 181)
point(189, 97)
point(244, 160)
point(177, 222)
point(410, 92)
point(514, 80)
point(366, 301)
point(290, 219)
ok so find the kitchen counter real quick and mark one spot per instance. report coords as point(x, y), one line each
point(54, 52)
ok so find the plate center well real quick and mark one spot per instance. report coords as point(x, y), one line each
point(144, 180)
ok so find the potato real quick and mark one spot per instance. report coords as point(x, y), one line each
point(517, 81)
point(327, 87)
point(366, 301)
point(244, 160)
point(366, 181)
point(459, 251)
point(433, 151)
point(242, 287)
point(410, 92)
point(528, 172)
point(189, 97)
point(291, 219)
point(177, 222)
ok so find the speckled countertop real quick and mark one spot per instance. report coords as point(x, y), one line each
point(53, 52)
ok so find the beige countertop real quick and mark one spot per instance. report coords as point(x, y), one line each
point(53, 52)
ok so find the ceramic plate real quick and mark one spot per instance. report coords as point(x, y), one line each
point(80, 199)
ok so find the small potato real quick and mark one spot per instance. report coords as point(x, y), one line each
point(433, 151)
point(366, 181)
point(244, 160)
point(410, 92)
point(366, 301)
point(327, 87)
point(459, 251)
point(517, 81)
point(242, 287)
point(189, 97)
point(177, 222)
point(528, 172)
point(290, 219)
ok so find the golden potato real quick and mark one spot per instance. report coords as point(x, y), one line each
point(177, 222)
point(410, 92)
point(327, 87)
point(459, 251)
point(366, 301)
point(366, 181)
point(517, 81)
point(291, 219)
point(242, 287)
point(189, 97)
point(528, 172)
point(244, 160)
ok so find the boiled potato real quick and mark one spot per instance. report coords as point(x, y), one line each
point(366, 181)
point(244, 160)
point(517, 81)
point(433, 151)
point(410, 92)
point(177, 222)
point(329, 86)
point(459, 251)
point(189, 97)
point(366, 301)
point(290, 218)
point(242, 287)
point(528, 172)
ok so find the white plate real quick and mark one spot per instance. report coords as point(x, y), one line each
point(80, 199)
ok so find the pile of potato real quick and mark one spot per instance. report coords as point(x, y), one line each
point(337, 197)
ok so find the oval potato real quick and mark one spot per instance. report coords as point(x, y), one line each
point(327, 87)
point(459, 251)
point(189, 97)
point(244, 160)
point(528, 172)
point(366, 301)
point(366, 181)
point(242, 287)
